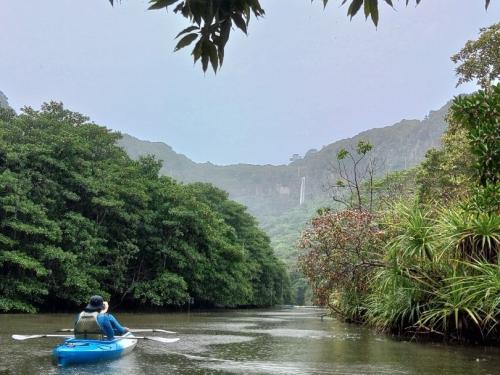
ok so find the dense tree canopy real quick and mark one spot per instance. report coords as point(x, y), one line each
point(213, 20)
point(79, 217)
point(479, 60)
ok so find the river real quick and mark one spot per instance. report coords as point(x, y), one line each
point(277, 341)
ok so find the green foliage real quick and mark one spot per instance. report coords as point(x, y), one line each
point(284, 231)
point(363, 147)
point(341, 252)
point(213, 20)
point(426, 286)
point(437, 259)
point(393, 187)
point(470, 234)
point(165, 289)
point(78, 217)
point(396, 299)
point(445, 174)
point(468, 163)
point(467, 304)
point(398, 293)
point(479, 59)
point(268, 280)
point(342, 154)
point(479, 115)
point(411, 236)
point(356, 168)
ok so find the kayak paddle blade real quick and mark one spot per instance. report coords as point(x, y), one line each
point(163, 340)
point(27, 337)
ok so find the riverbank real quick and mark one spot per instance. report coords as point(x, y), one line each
point(417, 253)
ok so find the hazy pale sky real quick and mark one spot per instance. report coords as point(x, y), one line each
point(303, 78)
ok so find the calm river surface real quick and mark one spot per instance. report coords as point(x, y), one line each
point(286, 341)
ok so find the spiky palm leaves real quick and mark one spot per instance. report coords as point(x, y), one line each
point(442, 274)
point(399, 292)
point(470, 235)
point(396, 300)
point(467, 304)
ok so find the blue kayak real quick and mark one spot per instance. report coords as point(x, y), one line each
point(73, 351)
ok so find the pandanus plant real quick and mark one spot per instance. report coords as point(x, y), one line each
point(442, 274)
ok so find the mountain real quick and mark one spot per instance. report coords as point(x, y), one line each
point(270, 191)
point(3, 100)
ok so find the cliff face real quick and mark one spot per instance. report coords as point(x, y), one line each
point(3, 100)
point(270, 190)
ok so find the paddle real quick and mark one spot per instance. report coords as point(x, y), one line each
point(27, 337)
point(152, 338)
point(130, 330)
point(150, 330)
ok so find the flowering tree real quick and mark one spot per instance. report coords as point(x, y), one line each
point(341, 250)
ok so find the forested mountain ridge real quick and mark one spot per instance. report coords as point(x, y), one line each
point(270, 190)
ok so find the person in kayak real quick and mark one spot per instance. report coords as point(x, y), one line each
point(94, 322)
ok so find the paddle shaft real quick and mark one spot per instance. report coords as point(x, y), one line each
point(28, 337)
point(163, 340)
point(133, 330)
point(152, 338)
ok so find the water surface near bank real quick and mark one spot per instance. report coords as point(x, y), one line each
point(277, 341)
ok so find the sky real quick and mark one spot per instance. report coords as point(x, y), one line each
point(304, 76)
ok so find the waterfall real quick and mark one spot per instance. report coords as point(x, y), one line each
point(302, 190)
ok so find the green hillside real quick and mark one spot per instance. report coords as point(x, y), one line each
point(272, 193)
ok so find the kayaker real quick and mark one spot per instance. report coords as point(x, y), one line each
point(94, 322)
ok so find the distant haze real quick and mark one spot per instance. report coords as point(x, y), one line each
point(303, 78)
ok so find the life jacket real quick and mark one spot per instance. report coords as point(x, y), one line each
point(86, 326)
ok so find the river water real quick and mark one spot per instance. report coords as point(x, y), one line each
point(278, 341)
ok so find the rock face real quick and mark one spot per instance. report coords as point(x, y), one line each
point(270, 190)
point(3, 100)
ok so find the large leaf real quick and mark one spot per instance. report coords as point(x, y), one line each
point(186, 41)
point(205, 57)
point(239, 22)
point(212, 52)
point(373, 10)
point(197, 50)
point(160, 4)
point(225, 31)
point(187, 30)
point(354, 7)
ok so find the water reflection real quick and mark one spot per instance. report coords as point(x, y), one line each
point(247, 342)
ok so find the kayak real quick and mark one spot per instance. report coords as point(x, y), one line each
point(73, 351)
